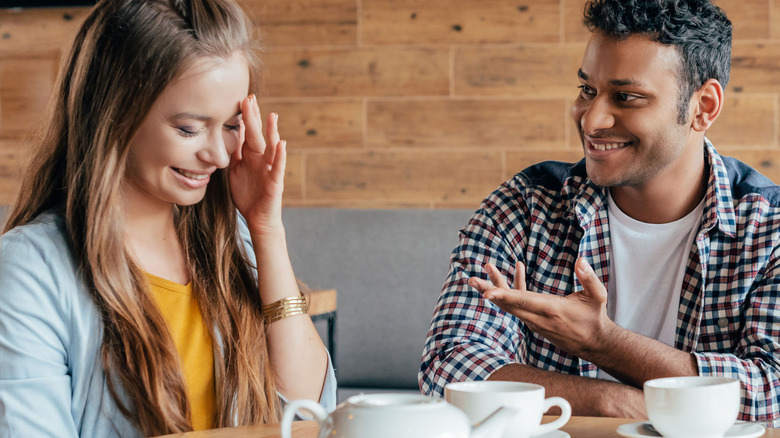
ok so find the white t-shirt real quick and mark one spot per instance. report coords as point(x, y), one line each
point(646, 270)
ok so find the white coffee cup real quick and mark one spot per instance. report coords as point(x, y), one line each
point(479, 399)
point(692, 407)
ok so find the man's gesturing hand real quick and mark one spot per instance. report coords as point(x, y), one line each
point(577, 323)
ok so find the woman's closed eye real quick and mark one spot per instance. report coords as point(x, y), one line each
point(187, 131)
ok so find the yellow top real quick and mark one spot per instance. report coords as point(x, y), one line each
point(193, 342)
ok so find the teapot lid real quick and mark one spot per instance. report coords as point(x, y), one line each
point(416, 401)
point(393, 415)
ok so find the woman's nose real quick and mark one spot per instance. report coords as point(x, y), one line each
point(215, 151)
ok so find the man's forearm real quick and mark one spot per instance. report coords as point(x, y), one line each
point(587, 396)
point(634, 359)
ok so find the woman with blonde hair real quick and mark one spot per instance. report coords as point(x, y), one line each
point(145, 285)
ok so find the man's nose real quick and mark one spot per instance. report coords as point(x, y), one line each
point(598, 115)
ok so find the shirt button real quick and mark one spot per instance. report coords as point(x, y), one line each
point(723, 322)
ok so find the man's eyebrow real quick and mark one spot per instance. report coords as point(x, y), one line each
point(614, 82)
point(623, 82)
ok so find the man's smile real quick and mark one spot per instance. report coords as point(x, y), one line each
point(605, 145)
point(608, 146)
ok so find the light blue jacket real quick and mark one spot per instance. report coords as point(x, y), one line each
point(51, 376)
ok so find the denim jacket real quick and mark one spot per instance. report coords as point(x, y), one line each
point(52, 382)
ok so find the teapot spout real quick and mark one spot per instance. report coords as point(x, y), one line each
point(494, 424)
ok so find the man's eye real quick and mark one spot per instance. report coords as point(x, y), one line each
point(625, 97)
point(584, 89)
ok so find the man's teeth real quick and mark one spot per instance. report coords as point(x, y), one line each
point(193, 175)
point(607, 146)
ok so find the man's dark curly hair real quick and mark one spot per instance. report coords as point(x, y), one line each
point(699, 30)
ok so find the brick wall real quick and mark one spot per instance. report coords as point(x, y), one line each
point(413, 103)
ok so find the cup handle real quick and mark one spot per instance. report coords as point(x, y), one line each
point(560, 421)
point(292, 409)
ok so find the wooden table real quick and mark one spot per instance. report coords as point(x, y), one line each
point(577, 427)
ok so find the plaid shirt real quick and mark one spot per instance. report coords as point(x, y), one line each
point(551, 213)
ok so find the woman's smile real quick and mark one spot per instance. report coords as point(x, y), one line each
point(192, 179)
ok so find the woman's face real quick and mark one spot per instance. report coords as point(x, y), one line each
point(190, 132)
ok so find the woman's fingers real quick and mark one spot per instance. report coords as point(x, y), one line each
point(250, 115)
point(277, 170)
point(272, 137)
point(241, 139)
point(272, 128)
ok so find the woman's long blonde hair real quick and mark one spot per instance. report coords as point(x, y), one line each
point(125, 54)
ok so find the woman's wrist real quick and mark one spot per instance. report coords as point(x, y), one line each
point(269, 238)
point(267, 230)
point(284, 308)
point(276, 279)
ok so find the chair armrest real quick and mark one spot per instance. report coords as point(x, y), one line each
point(321, 301)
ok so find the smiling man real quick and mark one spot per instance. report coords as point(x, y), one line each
point(654, 256)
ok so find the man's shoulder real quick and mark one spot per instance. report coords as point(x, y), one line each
point(747, 181)
point(552, 175)
point(542, 187)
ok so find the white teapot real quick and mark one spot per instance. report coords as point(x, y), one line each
point(394, 416)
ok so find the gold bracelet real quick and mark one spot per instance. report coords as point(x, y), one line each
point(285, 307)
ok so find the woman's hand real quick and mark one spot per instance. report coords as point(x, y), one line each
point(256, 184)
point(256, 170)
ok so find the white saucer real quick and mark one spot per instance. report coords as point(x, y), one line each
point(553, 434)
point(739, 430)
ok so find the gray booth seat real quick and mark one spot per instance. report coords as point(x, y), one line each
point(388, 267)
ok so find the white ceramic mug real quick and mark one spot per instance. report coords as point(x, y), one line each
point(478, 399)
point(692, 407)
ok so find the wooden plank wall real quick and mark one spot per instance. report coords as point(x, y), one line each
point(413, 103)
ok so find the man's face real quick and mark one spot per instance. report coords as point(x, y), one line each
point(627, 114)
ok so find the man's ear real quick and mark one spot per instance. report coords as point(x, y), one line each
point(706, 104)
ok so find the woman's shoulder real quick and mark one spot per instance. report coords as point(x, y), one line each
point(44, 234)
point(40, 278)
point(39, 251)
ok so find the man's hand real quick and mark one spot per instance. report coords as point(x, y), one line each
point(577, 323)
